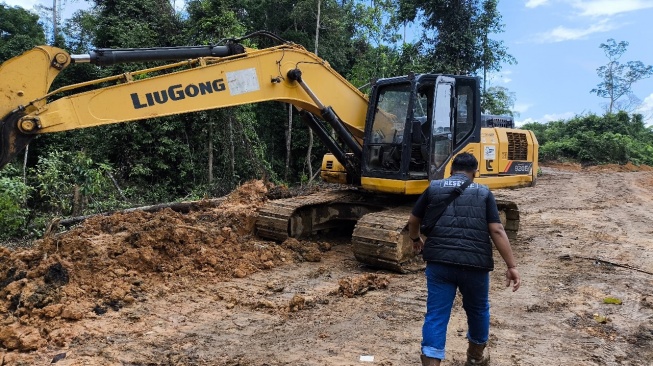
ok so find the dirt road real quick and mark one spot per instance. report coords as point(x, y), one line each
point(586, 236)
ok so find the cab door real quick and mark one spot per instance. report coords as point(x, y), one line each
point(441, 148)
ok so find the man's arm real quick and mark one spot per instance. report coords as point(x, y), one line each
point(501, 242)
point(415, 220)
point(413, 232)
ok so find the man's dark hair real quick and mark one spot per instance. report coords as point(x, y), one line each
point(464, 162)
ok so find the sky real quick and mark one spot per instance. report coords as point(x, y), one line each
point(556, 45)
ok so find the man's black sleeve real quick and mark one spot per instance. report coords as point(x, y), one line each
point(419, 210)
point(492, 212)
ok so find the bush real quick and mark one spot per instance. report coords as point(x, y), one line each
point(591, 139)
point(13, 196)
point(72, 183)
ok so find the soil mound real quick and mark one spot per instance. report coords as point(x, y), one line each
point(628, 167)
point(576, 167)
point(109, 262)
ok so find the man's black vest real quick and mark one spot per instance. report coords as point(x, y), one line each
point(461, 236)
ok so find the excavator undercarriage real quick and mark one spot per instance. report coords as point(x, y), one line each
point(380, 235)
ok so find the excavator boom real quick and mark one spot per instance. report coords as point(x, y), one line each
point(237, 76)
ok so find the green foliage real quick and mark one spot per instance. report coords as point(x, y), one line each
point(79, 31)
point(612, 138)
point(13, 197)
point(210, 21)
point(498, 100)
point(457, 34)
point(144, 23)
point(19, 31)
point(61, 174)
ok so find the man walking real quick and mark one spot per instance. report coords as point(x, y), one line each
point(458, 252)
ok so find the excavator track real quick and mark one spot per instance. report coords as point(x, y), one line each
point(380, 238)
point(509, 214)
point(306, 215)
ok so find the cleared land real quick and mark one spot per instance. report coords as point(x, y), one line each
point(199, 289)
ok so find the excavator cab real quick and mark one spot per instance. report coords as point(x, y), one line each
point(416, 124)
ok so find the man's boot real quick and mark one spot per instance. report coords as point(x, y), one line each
point(477, 355)
point(428, 361)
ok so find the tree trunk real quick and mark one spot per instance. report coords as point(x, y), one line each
point(183, 207)
point(210, 148)
point(309, 151)
point(25, 165)
point(54, 22)
point(317, 27)
point(232, 148)
point(115, 184)
point(77, 200)
point(288, 142)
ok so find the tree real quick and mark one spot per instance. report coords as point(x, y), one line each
point(456, 34)
point(617, 78)
point(145, 23)
point(498, 100)
point(374, 44)
point(19, 31)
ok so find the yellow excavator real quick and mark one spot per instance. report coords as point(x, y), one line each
point(388, 145)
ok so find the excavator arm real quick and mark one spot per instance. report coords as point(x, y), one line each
point(223, 77)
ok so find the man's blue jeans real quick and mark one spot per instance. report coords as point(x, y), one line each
point(442, 282)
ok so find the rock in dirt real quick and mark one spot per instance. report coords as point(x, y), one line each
point(21, 338)
point(359, 285)
point(305, 251)
point(297, 303)
point(58, 357)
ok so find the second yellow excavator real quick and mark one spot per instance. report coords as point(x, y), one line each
point(388, 145)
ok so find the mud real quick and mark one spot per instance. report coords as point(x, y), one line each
point(200, 289)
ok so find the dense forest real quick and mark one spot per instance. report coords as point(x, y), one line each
point(208, 153)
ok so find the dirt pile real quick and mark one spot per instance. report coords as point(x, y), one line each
point(576, 167)
point(109, 262)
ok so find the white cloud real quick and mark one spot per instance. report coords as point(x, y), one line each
point(547, 118)
point(561, 34)
point(535, 3)
point(595, 8)
point(646, 110)
point(522, 107)
point(557, 116)
point(522, 122)
point(26, 4)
